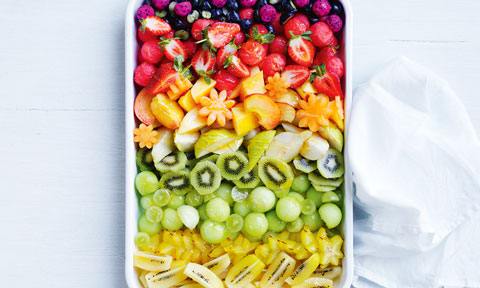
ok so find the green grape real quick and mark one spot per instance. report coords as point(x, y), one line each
point(225, 192)
point(234, 223)
point(300, 183)
point(147, 201)
point(202, 211)
point(146, 182)
point(314, 195)
point(176, 201)
point(288, 209)
point(281, 193)
point(275, 224)
point(299, 197)
point(171, 221)
point(213, 232)
point(208, 197)
point(256, 224)
point(141, 239)
point(261, 199)
point(251, 238)
point(241, 208)
point(330, 196)
point(154, 214)
point(313, 221)
point(231, 235)
point(161, 197)
point(267, 235)
point(330, 214)
point(218, 210)
point(144, 225)
point(239, 195)
point(308, 207)
point(194, 199)
point(295, 226)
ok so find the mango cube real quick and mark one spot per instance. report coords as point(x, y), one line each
point(243, 121)
point(253, 85)
point(201, 88)
point(186, 101)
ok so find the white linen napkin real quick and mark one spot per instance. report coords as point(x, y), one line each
point(416, 163)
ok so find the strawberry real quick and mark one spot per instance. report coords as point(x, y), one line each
point(225, 81)
point(324, 54)
point(335, 65)
point(150, 52)
point(322, 35)
point(246, 13)
point(144, 35)
point(239, 38)
point(297, 25)
point(155, 25)
point(173, 48)
point(300, 49)
point(252, 53)
point(326, 83)
point(203, 61)
point(296, 75)
point(190, 48)
point(224, 52)
point(143, 73)
point(279, 45)
point(169, 35)
point(276, 24)
point(198, 27)
point(260, 33)
point(273, 63)
point(162, 79)
point(235, 66)
point(221, 33)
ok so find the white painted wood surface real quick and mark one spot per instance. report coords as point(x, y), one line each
point(61, 117)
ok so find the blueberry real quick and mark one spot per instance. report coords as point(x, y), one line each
point(225, 11)
point(246, 24)
point(217, 13)
point(232, 4)
point(179, 25)
point(308, 10)
point(223, 19)
point(180, 1)
point(285, 17)
point(270, 28)
point(256, 17)
point(195, 3)
point(260, 4)
point(206, 6)
point(234, 16)
point(337, 9)
point(287, 5)
point(314, 20)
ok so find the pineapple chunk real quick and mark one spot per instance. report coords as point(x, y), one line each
point(243, 121)
point(201, 88)
point(253, 85)
point(186, 101)
point(254, 70)
point(305, 89)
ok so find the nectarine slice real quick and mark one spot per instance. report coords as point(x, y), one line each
point(142, 107)
point(267, 111)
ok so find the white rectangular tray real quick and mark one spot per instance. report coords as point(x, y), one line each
point(131, 202)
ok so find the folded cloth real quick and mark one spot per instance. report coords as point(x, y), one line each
point(415, 159)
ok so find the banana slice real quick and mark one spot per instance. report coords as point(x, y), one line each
point(142, 279)
point(203, 275)
point(278, 271)
point(329, 273)
point(165, 279)
point(219, 264)
point(304, 270)
point(151, 262)
point(315, 283)
point(191, 286)
point(244, 272)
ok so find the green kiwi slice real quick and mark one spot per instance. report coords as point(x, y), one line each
point(322, 188)
point(318, 179)
point(275, 173)
point(173, 162)
point(205, 177)
point(233, 165)
point(304, 164)
point(177, 182)
point(144, 159)
point(331, 165)
point(212, 158)
point(249, 180)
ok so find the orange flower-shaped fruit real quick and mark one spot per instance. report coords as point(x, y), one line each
point(277, 86)
point(216, 107)
point(145, 136)
point(316, 112)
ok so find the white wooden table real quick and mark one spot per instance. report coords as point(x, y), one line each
point(61, 121)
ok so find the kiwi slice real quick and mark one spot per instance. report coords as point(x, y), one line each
point(275, 173)
point(205, 177)
point(144, 159)
point(233, 165)
point(249, 180)
point(177, 182)
point(304, 164)
point(173, 162)
point(212, 158)
point(323, 188)
point(331, 165)
point(318, 179)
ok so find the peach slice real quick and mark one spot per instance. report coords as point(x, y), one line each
point(287, 112)
point(167, 111)
point(142, 107)
point(267, 111)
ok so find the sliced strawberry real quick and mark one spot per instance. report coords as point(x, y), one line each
point(198, 27)
point(221, 33)
point(203, 61)
point(144, 35)
point(162, 79)
point(224, 52)
point(252, 53)
point(143, 73)
point(225, 81)
point(236, 67)
point(150, 52)
point(173, 48)
point(324, 54)
point(301, 50)
point(142, 107)
point(273, 63)
point(155, 25)
point(190, 48)
point(327, 83)
point(297, 25)
point(296, 75)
